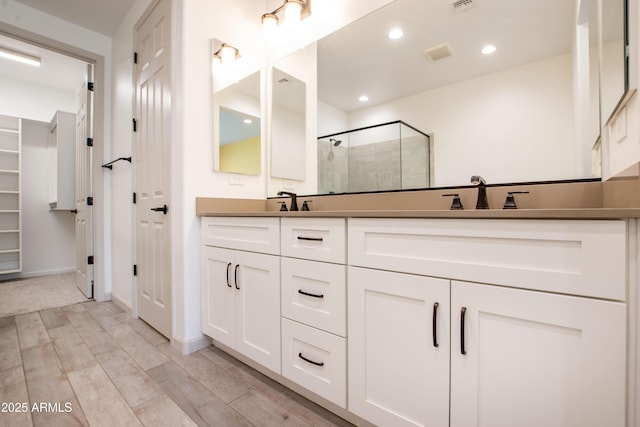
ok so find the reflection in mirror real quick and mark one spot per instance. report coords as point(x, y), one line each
point(614, 78)
point(237, 127)
point(239, 142)
point(288, 126)
point(526, 112)
point(390, 156)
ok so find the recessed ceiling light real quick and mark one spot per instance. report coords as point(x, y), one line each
point(363, 98)
point(488, 49)
point(395, 34)
point(247, 121)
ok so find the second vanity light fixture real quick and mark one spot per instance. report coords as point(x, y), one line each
point(294, 12)
point(224, 58)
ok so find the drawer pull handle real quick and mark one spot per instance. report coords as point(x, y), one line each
point(300, 291)
point(228, 284)
point(463, 312)
point(435, 324)
point(310, 361)
point(235, 276)
point(311, 239)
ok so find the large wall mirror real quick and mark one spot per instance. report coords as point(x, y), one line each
point(529, 111)
point(288, 126)
point(237, 127)
point(614, 79)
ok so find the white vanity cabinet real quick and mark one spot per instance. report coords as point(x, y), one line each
point(535, 358)
point(536, 352)
point(240, 289)
point(314, 305)
point(398, 348)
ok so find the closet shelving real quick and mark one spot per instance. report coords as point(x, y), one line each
point(10, 200)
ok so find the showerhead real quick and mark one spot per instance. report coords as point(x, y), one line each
point(335, 142)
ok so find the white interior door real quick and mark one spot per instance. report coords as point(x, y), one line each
point(84, 226)
point(152, 143)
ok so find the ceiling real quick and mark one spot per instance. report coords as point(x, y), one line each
point(101, 16)
point(360, 58)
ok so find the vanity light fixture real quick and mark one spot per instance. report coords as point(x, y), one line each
point(294, 12)
point(223, 58)
point(488, 49)
point(14, 55)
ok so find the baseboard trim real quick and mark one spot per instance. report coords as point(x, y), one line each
point(191, 346)
point(29, 274)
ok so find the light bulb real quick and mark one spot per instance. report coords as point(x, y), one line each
point(292, 12)
point(228, 54)
point(269, 26)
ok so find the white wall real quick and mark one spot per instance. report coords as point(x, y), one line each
point(474, 120)
point(48, 237)
point(35, 102)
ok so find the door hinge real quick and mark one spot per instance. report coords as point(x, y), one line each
point(89, 201)
point(134, 198)
point(89, 142)
point(90, 86)
point(90, 260)
point(135, 125)
point(135, 269)
point(135, 57)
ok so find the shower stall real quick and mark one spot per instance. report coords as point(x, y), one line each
point(384, 157)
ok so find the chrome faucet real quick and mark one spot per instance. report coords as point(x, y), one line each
point(294, 199)
point(482, 202)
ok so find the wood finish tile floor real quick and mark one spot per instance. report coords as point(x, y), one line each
point(91, 364)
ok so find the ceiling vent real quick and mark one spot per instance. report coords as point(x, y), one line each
point(439, 52)
point(461, 5)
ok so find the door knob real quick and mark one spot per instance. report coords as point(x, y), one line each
point(164, 209)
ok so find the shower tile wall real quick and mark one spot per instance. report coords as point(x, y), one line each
point(373, 167)
point(333, 168)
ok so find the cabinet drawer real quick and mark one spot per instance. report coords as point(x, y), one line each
point(316, 360)
point(318, 239)
point(567, 256)
point(314, 293)
point(243, 233)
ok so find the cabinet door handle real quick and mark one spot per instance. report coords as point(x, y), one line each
point(435, 324)
point(463, 312)
point(312, 239)
point(300, 291)
point(228, 284)
point(310, 361)
point(235, 276)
